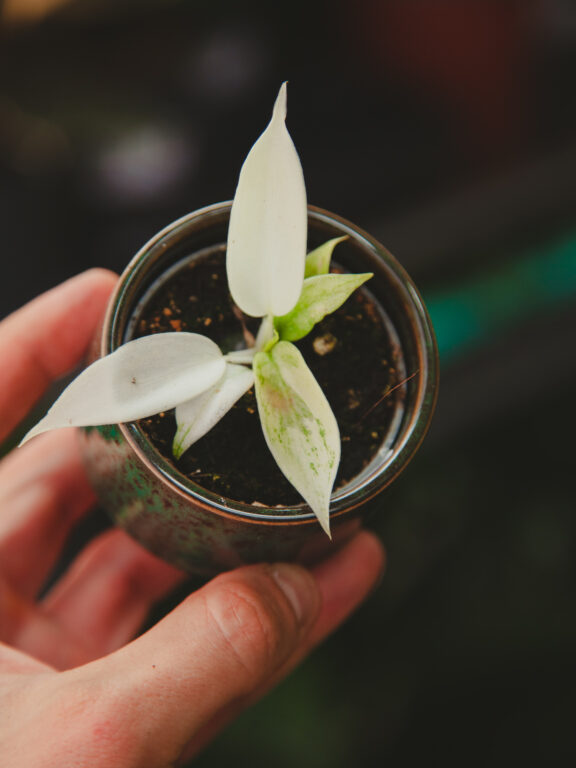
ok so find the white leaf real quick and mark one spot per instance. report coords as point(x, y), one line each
point(299, 426)
point(140, 378)
point(268, 223)
point(197, 416)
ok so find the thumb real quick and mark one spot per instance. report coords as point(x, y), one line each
point(216, 648)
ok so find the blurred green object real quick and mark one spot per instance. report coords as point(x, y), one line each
point(468, 314)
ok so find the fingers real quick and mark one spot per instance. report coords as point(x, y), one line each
point(26, 629)
point(15, 662)
point(47, 338)
point(97, 606)
point(107, 594)
point(344, 581)
point(212, 650)
point(43, 492)
point(226, 642)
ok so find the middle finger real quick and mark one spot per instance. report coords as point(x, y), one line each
point(43, 493)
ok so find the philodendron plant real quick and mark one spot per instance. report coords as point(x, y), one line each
point(269, 276)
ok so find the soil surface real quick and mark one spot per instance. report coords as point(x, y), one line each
point(349, 353)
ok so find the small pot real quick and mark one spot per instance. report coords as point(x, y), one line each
point(200, 531)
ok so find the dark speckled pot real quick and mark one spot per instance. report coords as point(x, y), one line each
point(204, 533)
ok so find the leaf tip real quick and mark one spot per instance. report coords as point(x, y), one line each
point(36, 430)
point(280, 105)
point(318, 261)
point(363, 277)
point(325, 524)
point(321, 508)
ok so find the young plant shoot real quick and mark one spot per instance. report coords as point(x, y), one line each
point(269, 277)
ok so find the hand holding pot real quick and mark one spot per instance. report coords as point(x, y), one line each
point(75, 691)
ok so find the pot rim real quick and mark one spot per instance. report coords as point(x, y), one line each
point(354, 493)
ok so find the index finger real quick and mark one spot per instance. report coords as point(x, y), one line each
point(46, 339)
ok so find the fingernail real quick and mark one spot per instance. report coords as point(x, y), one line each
point(300, 589)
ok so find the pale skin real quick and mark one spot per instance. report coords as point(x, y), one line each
point(76, 688)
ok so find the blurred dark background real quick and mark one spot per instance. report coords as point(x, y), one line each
point(447, 128)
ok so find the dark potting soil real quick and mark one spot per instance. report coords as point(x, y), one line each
point(349, 352)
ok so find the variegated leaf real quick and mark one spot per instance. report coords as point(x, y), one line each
point(318, 260)
point(299, 426)
point(320, 296)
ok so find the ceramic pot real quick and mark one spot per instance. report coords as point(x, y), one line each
point(205, 533)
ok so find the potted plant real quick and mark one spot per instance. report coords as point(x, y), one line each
point(208, 365)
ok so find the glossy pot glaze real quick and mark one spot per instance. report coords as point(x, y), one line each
point(205, 533)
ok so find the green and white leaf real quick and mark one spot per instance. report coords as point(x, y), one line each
point(318, 260)
point(139, 379)
point(299, 426)
point(197, 416)
point(320, 296)
point(268, 223)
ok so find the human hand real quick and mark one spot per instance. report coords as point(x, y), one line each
point(74, 690)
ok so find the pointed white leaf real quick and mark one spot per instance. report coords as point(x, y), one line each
point(140, 378)
point(318, 260)
point(268, 223)
point(197, 416)
point(299, 426)
point(320, 296)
